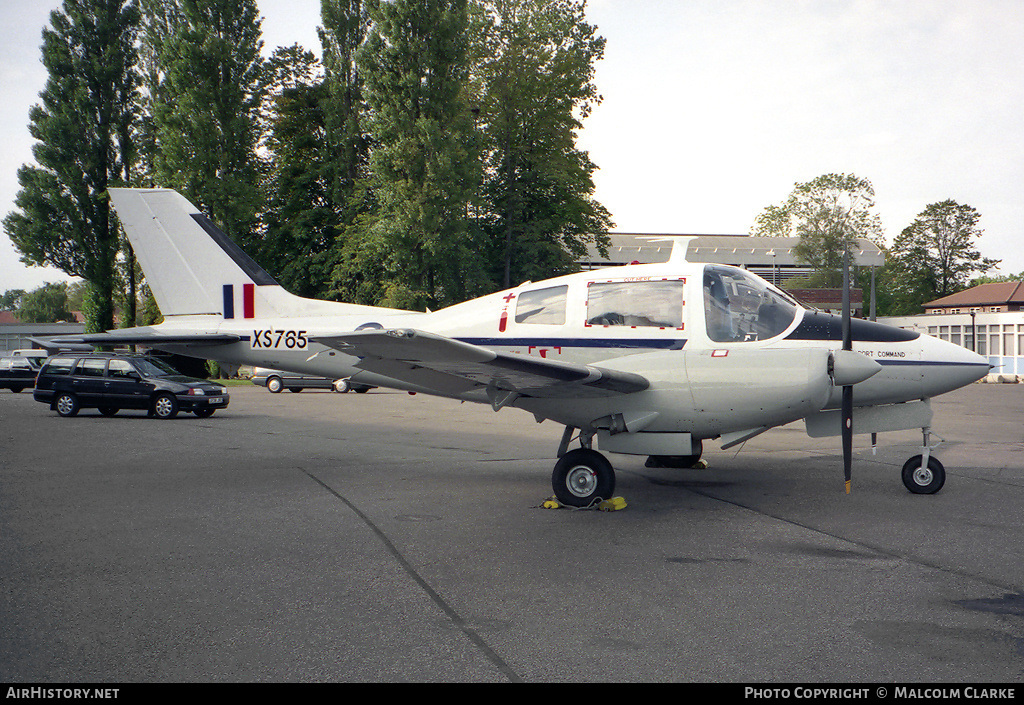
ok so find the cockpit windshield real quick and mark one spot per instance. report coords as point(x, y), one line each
point(739, 307)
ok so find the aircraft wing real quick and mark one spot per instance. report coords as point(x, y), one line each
point(451, 367)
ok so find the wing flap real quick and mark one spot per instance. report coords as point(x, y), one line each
point(451, 366)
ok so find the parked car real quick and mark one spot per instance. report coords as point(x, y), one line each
point(277, 380)
point(19, 372)
point(110, 382)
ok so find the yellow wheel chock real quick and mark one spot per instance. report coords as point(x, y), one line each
point(607, 505)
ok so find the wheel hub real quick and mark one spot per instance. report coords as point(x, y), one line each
point(923, 476)
point(581, 481)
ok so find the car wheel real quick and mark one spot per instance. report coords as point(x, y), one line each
point(66, 404)
point(165, 406)
point(341, 386)
point(108, 410)
point(204, 413)
point(274, 385)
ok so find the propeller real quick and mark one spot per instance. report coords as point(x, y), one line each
point(847, 403)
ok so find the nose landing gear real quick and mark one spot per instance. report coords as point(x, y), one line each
point(923, 474)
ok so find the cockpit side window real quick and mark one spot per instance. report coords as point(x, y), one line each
point(545, 306)
point(739, 307)
point(636, 303)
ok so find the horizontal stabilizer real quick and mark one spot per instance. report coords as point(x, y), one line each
point(138, 336)
point(451, 367)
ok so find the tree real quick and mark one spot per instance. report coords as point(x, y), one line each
point(47, 304)
point(936, 255)
point(535, 62)
point(318, 157)
point(345, 27)
point(828, 214)
point(205, 85)
point(300, 220)
point(424, 172)
point(84, 129)
point(10, 300)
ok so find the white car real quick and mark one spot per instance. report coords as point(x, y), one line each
point(276, 380)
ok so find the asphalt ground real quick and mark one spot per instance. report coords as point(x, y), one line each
point(321, 537)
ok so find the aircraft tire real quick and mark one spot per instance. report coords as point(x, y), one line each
point(921, 480)
point(582, 477)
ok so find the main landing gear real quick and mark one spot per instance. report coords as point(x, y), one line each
point(582, 477)
point(924, 474)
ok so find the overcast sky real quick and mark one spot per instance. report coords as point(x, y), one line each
point(713, 109)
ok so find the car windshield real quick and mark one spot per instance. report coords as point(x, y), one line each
point(154, 368)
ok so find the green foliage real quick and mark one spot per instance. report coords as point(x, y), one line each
point(431, 158)
point(301, 220)
point(415, 67)
point(47, 304)
point(995, 279)
point(935, 256)
point(84, 132)
point(534, 76)
point(10, 300)
point(205, 80)
point(828, 214)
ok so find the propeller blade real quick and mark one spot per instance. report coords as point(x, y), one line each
point(847, 406)
point(847, 338)
point(847, 411)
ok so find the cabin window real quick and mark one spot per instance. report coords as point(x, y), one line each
point(740, 307)
point(656, 304)
point(544, 306)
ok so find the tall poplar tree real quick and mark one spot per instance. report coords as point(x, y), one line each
point(205, 83)
point(345, 26)
point(534, 73)
point(84, 127)
point(415, 70)
point(301, 220)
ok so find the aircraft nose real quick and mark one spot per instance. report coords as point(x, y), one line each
point(950, 366)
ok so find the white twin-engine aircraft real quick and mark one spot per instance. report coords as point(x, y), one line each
point(646, 359)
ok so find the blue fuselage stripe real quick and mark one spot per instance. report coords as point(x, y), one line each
point(650, 343)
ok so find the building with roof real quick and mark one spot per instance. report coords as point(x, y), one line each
point(771, 258)
point(991, 298)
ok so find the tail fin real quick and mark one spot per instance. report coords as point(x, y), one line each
point(193, 267)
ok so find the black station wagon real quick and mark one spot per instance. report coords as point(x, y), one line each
point(111, 382)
